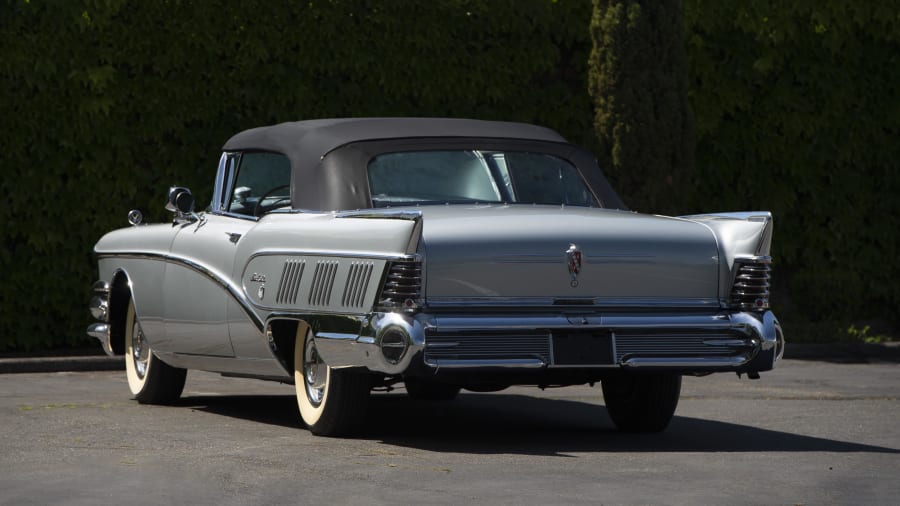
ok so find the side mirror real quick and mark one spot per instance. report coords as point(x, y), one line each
point(184, 201)
point(180, 200)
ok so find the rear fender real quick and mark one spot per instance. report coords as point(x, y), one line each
point(739, 235)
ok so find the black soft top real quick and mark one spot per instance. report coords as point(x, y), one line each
point(313, 139)
point(328, 155)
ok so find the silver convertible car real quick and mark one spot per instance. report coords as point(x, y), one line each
point(346, 255)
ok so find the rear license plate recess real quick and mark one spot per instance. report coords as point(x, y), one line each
point(583, 348)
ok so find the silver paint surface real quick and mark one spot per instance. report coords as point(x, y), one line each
point(520, 251)
point(202, 297)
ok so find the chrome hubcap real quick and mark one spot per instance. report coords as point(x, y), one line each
point(315, 373)
point(140, 352)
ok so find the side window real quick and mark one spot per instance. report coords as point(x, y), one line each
point(262, 183)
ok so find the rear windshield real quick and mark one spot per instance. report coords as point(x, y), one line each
point(461, 176)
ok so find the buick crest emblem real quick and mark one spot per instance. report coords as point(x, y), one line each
point(573, 261)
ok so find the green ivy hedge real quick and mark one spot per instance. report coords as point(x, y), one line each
point(798, 111)
point(107, 103)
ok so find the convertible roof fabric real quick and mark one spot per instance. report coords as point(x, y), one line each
point(327, 173)
point(316, 138)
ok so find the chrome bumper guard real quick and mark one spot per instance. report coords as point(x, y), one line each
point(393, 344)
point(99, 307)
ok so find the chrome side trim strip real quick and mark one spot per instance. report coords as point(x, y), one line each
point(729, 343)
point(336, 335)
point(521, 363)
point(638, 362)
point(559, 259)
point(745, 215)
point(381, 215)
point(233, 290)
point(362, 255)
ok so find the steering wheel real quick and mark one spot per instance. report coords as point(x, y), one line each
point(259, 202)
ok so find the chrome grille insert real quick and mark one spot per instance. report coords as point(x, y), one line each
point(485, 346)
point(322, 282)
point(357, 284)
point(681, 344)
point(289, 285)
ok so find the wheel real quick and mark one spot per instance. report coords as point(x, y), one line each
point(332, 401)
point(641, 403)
point(430, 391)
point(151, 380)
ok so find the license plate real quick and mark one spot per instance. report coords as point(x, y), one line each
point(583, 348)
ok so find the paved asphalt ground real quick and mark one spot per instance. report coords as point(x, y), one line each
point(807, 433)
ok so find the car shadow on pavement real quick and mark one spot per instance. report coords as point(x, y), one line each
point(269, 409)
point(518, 424)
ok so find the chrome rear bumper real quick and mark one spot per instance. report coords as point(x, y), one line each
point(687, 343)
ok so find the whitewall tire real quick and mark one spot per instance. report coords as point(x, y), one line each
point(150, 380)
point(331, 401)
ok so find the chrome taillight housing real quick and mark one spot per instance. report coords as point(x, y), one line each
point(402, 288)
point(750, 290)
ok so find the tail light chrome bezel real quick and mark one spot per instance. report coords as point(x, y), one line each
point(750, 286)
point(401, 289)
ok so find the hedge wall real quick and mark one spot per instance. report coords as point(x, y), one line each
point(798, 111)
point(107, 103)
point(638, 79)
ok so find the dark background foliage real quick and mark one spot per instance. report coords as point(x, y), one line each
point(798, 111)
point(107, 103)
point(638, 79)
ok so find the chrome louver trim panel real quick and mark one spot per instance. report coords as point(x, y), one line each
point(289, 285)
point(357, 284)
point(750, 290)
point(345, 285)
point(322, 283)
